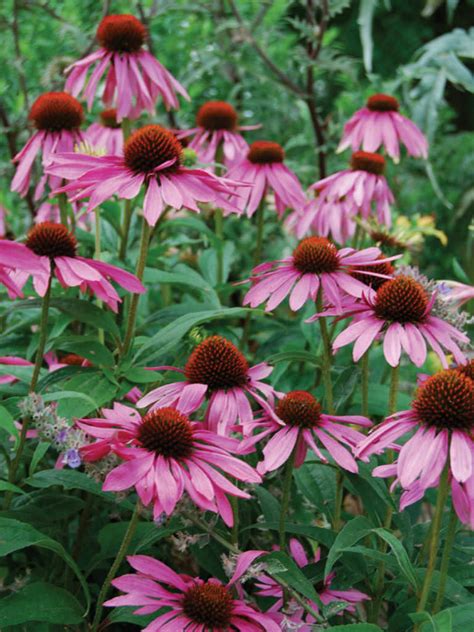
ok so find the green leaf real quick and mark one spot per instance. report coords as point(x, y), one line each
point(83, 394)
point(38, 454)
point(71, 479)
point(364, 20)
point(194, 224)
point(5, 486)
point(317, 483)
point(86, 312)
point(357, 627)
point(168, 337)
point(269, 504)
point(400, 553)
point(378, 400)
point(285, 571)
point(7, 422)
point(142, 376)
point(40, 602)
point(318, 534)
point(16, 535)
point(87, 347)
point(22, 373)
point(124, 614)
point(147, 533)
point(351, 533)
point(182, 275)
point(294, 356)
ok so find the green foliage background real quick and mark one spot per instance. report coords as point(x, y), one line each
point(205, 47)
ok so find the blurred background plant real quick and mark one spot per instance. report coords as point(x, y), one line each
point(301, 68)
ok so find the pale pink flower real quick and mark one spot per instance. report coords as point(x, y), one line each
point(134, 78)
point(190, 602)
point(218, 372)
point(400, 313)
point(335, 219)
point(57, 117)
point(152, 157)
point(218, 129)
point(355, 191)
point(315, 265)
point(455, 293)
point(297, 423)
point(441, 420)
point(51, 249)
point(303, 622)
point(106, 134)
point(263, 168)
point(166, 454)
point(379, 124)
point(15, 257)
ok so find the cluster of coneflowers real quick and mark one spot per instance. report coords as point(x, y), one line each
point(182, 446)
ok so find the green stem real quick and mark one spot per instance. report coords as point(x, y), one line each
point(127, 220)
point(140, 268)
point(357, 234)
point(338, 500)
point(285, 499)
point(219, 230)
point(62, 203)
point(126, 128)
point(260, 226)
point(326, 358)
point(97, 249)
point(219, 219)
point(380, 573)
point(127, 209)
point(257, 255)
point(365, 384)
point(127, 538)
point(434, 542)
point(443, 571)
point(43, 335)
point(234, 501)
point(97, 255)
point(394, 383)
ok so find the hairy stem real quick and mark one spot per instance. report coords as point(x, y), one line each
point(62, 203)
point(365, 384)
point(443, 571)
point(285, 499)
point(127, 208)
point(43, 335)
point(380, 573)
point(140, 268)
point(338, 500)
point(127, 538)
point(326, 358)
point(434, 542)
point(257, 255)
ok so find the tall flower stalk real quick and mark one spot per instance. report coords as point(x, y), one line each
point(127, 538)
point(43, 336)
point(326, 357)
point(127, 207)
point(380, 573)
point(139, 271)
point(434, 542)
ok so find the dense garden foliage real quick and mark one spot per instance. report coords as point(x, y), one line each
point(236, 291)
